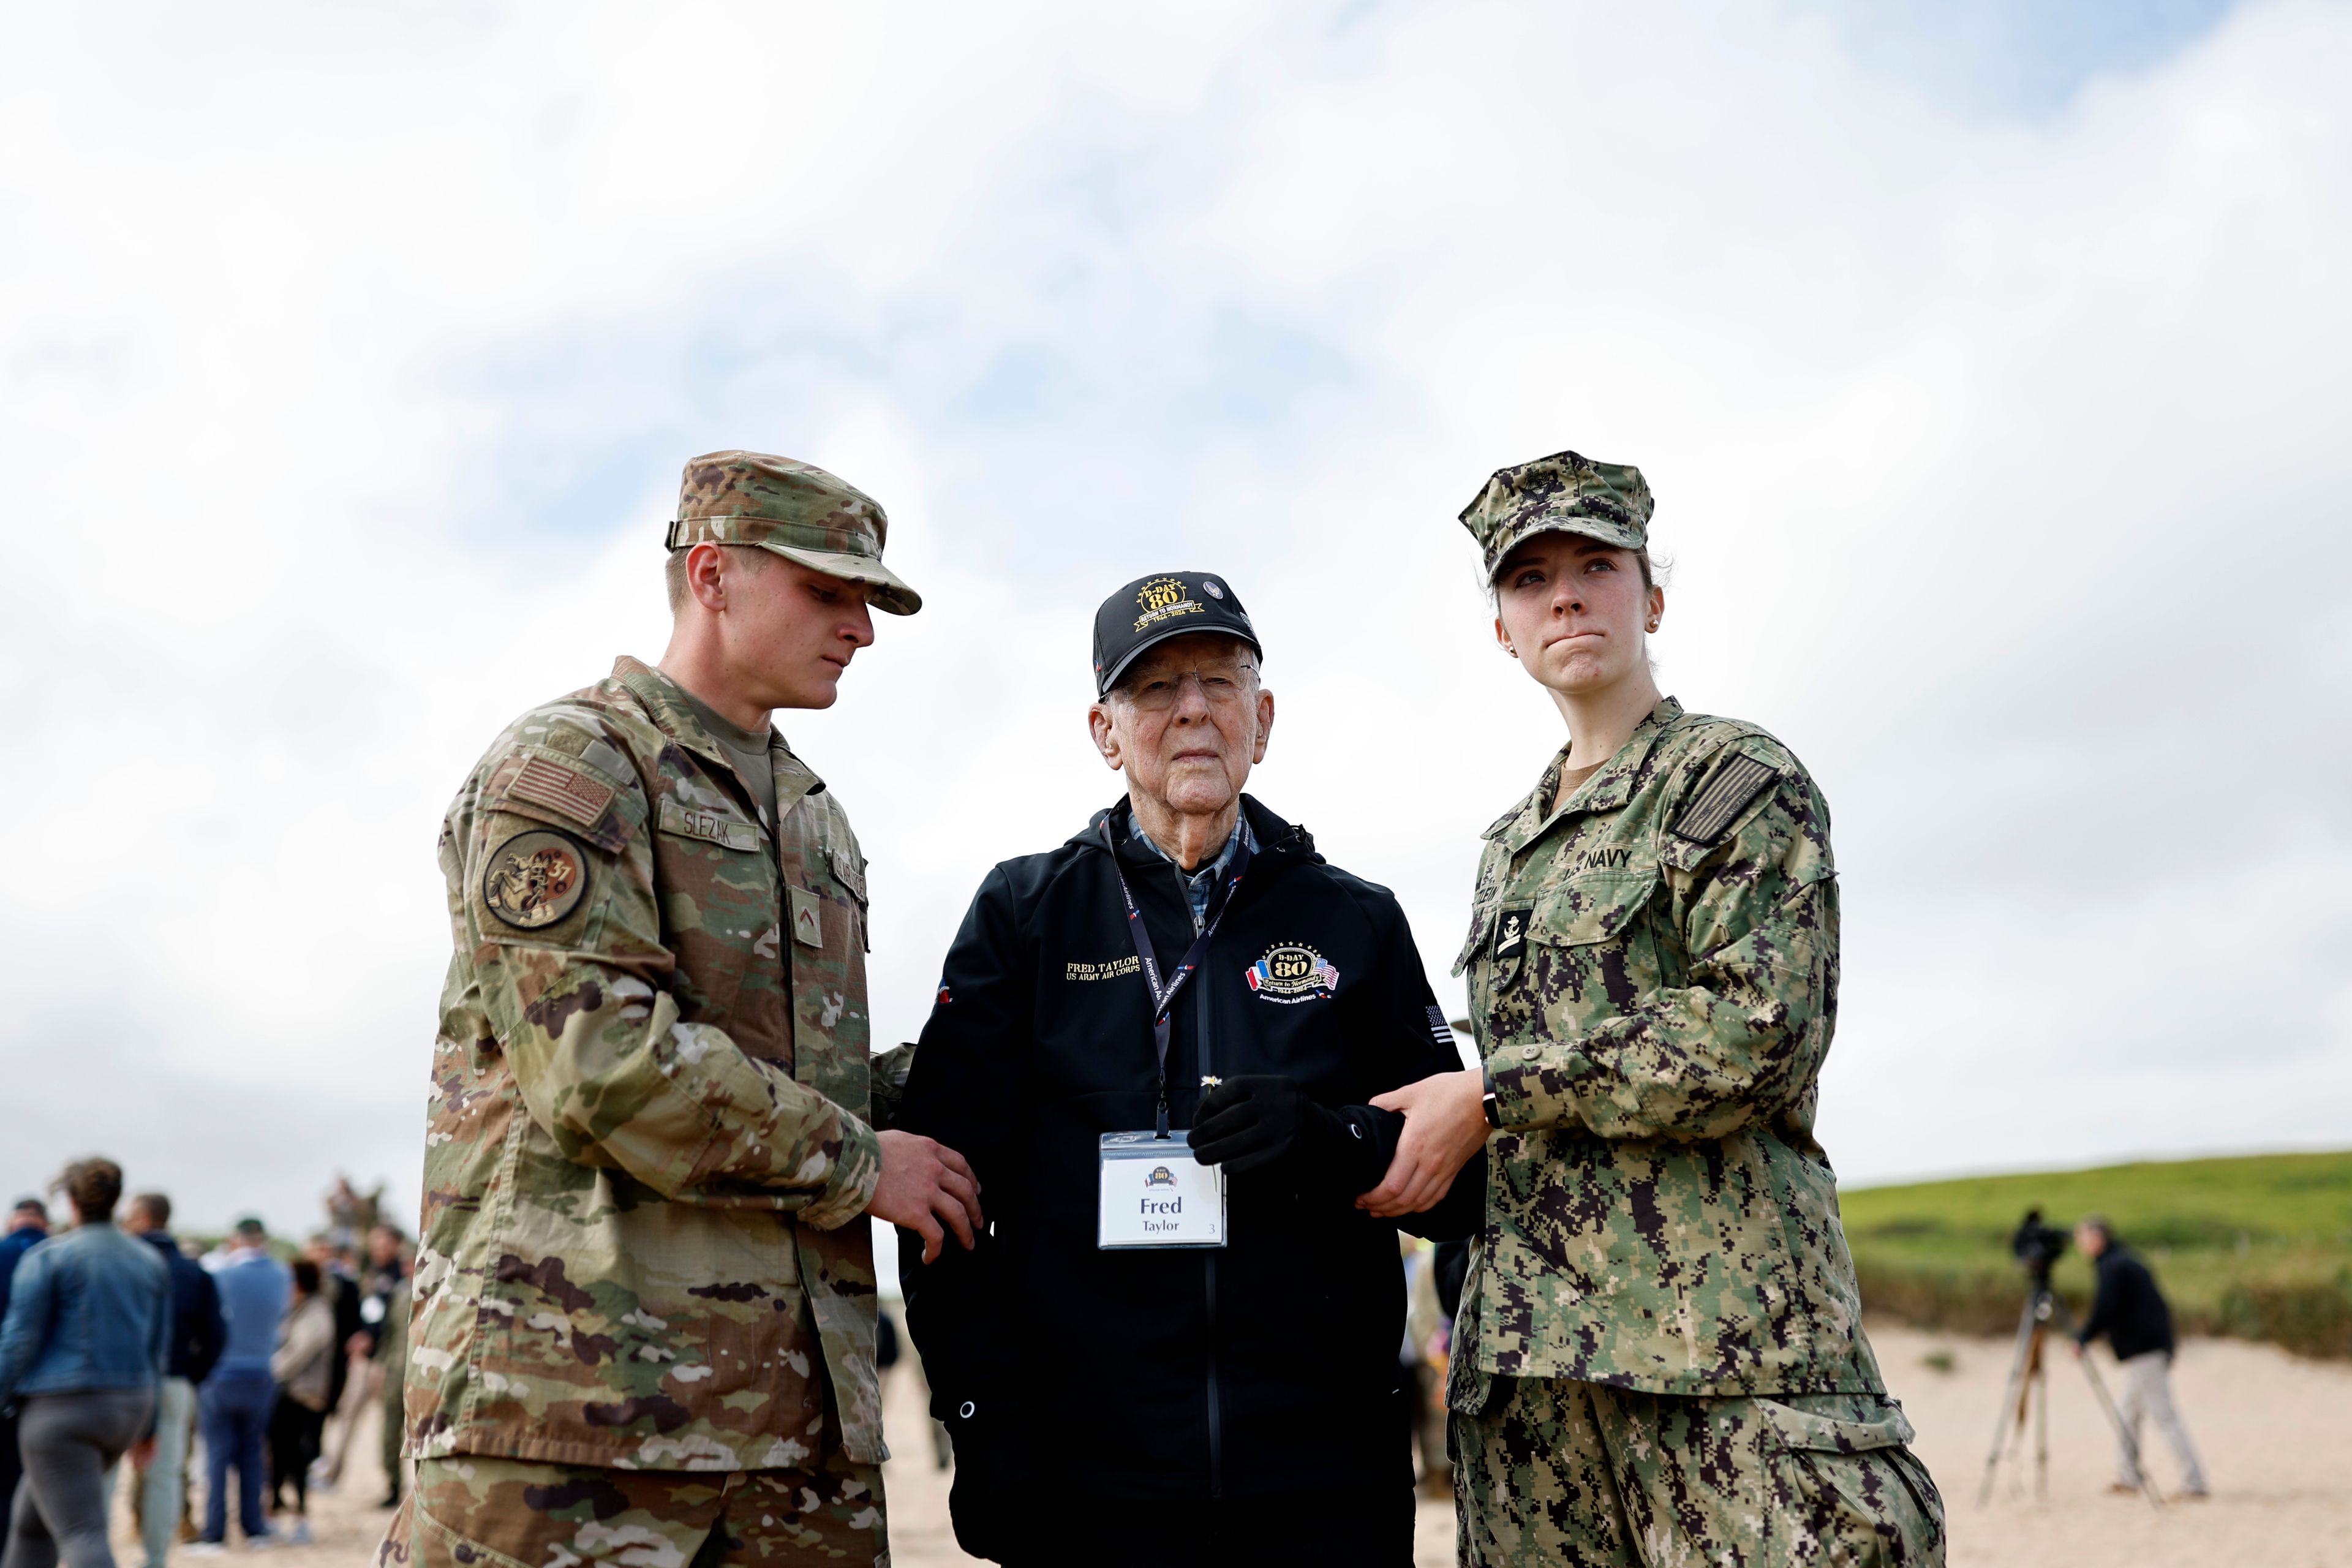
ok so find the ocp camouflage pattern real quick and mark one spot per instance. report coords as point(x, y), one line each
point(1653, 1010)
point(1555, 1471)
point(470, 1509)
point(647, 1156)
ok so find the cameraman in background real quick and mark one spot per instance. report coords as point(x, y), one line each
point(2131, 1312)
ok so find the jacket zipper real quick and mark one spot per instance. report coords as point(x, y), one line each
point(1209, 1260)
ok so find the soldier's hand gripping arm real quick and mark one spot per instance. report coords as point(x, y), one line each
point(572, 974)
point(925, 1185)
point(1743, 1034)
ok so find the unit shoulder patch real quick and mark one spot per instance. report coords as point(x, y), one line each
point(1720, 800)
point(535, 879)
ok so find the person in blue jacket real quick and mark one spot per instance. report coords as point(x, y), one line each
point(233, 1406)
point(84, 1344)
point(28, 1227)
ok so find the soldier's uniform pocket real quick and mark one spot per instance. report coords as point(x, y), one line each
point(1598, 907)
point(1587, 948)
point(849, 870)
point(1847, 1479)
point(474, 1511)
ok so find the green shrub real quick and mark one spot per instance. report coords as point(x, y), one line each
point(2311, 1318)
point(2257, 1247)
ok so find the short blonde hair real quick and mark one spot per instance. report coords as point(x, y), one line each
point(674, 570)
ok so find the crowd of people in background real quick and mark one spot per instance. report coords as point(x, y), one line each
point(129, 1354)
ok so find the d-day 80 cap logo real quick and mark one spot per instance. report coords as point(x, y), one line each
point(1162, 598)
point(1291, 971)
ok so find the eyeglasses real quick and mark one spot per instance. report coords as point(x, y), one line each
point(1221, 685)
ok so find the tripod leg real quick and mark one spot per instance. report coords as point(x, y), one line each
point(2011, 1406)
point(2114, 1417)
point(2042, 1427)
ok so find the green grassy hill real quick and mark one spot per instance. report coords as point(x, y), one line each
point(2259, 1246)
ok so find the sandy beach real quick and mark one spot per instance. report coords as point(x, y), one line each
point(2275, 1432)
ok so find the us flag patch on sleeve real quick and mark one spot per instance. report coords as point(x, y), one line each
point(561, 791)
point(1722, 798)
point(1438, 1028)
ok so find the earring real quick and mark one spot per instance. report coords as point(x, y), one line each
point(1653, 625)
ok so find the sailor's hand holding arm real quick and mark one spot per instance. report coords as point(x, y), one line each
point(1444, 1125)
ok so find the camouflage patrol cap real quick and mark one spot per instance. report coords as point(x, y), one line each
point(795, 509)
point(1564, 493)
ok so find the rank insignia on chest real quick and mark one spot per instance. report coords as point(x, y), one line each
point(808, 927)
point(1511, 933)
point(535, 879)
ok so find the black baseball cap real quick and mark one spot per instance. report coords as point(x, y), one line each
point(1151, 610)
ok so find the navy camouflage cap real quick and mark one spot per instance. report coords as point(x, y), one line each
point(1564, 493)
point(1151, 610)
point(795, 509)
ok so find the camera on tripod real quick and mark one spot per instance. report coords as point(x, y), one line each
point(2037, 1246)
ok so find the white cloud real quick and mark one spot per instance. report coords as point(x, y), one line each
point(350, 356)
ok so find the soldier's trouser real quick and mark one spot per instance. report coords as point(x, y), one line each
point(471, 1511)
point(1555, 1472)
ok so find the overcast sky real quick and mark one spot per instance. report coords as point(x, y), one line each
point(1988, 362)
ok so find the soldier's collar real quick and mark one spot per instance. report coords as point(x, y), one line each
point(1607, 789)
point(660, 694)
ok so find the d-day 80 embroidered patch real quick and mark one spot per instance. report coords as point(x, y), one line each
point(1722, 798)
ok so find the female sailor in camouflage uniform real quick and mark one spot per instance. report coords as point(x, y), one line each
point(1659, 1357)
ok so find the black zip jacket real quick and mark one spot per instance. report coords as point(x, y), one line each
point(2128, 1309)
point(1263, 1368)
point(198, 1330)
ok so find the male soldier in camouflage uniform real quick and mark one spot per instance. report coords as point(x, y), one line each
point(645, 1306)
point(1659, 1357)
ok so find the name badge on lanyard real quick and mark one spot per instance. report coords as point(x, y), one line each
point(1155, 1194)
point(1151, 1192)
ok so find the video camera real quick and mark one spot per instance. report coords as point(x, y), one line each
point(2037, 1246)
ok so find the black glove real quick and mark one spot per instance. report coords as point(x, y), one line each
point(993, 1491)
point(1248, 1123)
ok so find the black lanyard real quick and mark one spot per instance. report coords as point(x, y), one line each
point(1163, 997)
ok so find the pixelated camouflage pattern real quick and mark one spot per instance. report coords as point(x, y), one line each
point(646, 1156)
point(1659, 1214)
point(794, 509)
point(1556, 1472)
point(471, 1510)
point(1566, 492)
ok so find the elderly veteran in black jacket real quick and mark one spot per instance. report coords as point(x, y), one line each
point(1156, 1045)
